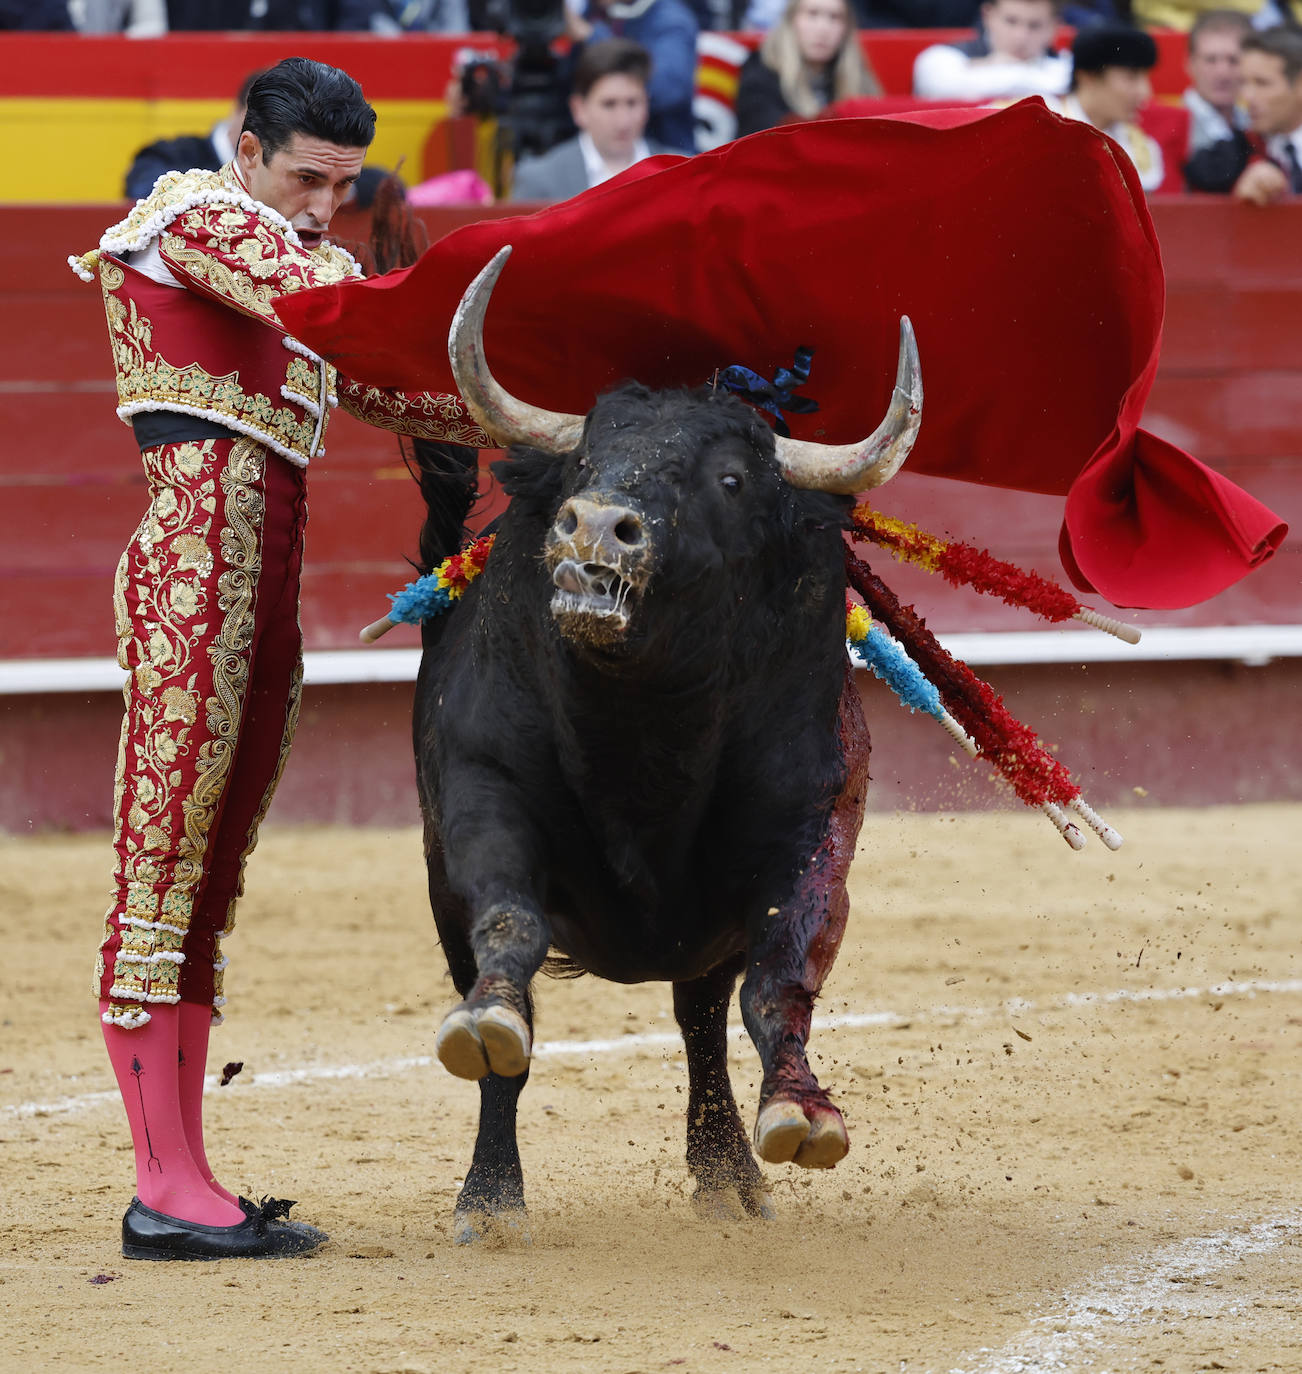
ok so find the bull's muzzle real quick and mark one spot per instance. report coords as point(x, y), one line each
point(598, 553)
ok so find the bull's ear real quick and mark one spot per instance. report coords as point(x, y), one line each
point(501, 416)
point(848, 468)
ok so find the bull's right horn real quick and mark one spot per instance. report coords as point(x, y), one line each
point(502, 417)
point(848, 468)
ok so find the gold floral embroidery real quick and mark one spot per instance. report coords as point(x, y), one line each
point(235, 287)
point(242, 259)
point(425, 414)
point(169, 627)
point(286, 739)
point(146, 379)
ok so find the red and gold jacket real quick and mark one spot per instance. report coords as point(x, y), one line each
point(215, 348)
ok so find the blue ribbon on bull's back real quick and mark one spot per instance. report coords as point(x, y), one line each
point(777, 395)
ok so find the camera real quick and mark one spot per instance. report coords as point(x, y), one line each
point(529, 94)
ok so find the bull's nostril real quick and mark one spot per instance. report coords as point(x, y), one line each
point(569, 522)
point(629, 531)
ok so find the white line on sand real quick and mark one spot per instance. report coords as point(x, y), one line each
point(1080, 1329)
point(660, 1040)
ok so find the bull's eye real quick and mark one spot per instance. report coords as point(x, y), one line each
point(730, 482)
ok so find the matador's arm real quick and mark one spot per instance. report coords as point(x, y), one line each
point(422, 414)
point(245, 261)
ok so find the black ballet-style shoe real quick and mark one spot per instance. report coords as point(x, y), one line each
point(277, 1209)
point(150, 1235)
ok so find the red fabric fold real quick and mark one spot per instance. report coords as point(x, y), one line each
point(1018, 242)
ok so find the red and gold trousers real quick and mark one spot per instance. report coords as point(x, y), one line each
point(206, 607)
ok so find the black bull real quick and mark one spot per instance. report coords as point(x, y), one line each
point(638, 746)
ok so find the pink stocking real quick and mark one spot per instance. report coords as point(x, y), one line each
point(168, 1179)
point(195, 1023)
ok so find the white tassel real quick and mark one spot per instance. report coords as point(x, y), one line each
point(1106, 623)
point(1110, 837)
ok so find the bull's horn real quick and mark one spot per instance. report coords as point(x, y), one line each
point(847, 468)
point(499, 414)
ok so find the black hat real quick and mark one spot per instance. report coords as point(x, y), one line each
point(1094, 49)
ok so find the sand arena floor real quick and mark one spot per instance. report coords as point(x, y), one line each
point(1073, 1086)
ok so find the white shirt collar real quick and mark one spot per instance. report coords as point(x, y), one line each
point(221, 141)
point(1276, 143)
point(594, 165)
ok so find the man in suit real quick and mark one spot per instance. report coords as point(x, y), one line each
point(1263, 164)
point(609, 105)
point(1212, 97)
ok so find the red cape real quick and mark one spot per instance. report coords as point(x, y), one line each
point(1018, 242)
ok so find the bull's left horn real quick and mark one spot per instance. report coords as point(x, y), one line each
point(505, 419)
point(847, 468)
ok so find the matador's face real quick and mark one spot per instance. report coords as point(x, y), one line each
point(306, 181)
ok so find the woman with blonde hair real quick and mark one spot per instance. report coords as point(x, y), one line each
point(808, 59)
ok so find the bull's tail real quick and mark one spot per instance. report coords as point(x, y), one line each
point(448, 477)
point(447, 474)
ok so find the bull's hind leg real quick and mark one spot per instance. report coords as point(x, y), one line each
point(792, 948)
point(718, 1153)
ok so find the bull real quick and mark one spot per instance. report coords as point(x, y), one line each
point(639, 750)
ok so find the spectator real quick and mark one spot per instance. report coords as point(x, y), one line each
point(48, 16)
point(1213, 67)
point(667, 29)
point(296, 16)
point(610, 106)
point(1183, 14)
point(809, 58)
point(1271, 89)
point(135, 18)
point(1109, 85)
point(407, 16)
point(203, 152)
point(1010, 56)
point(918, 14)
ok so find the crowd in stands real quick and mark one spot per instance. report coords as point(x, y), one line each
point(630, 74)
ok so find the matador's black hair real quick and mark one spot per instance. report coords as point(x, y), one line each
point(299, 96)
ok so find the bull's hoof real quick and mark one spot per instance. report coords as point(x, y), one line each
point(472, 1043)
point(731, 1203)
point(785, 1135)
point(507, 1040)
point(504, 1226)
point(458, 1046)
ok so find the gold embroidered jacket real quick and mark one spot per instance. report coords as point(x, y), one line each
point(215, 348)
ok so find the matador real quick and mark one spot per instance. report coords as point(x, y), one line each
point(228, 410)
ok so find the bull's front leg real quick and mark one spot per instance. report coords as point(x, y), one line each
point(491, 1030)
point(791, 951)
point(489, 864)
